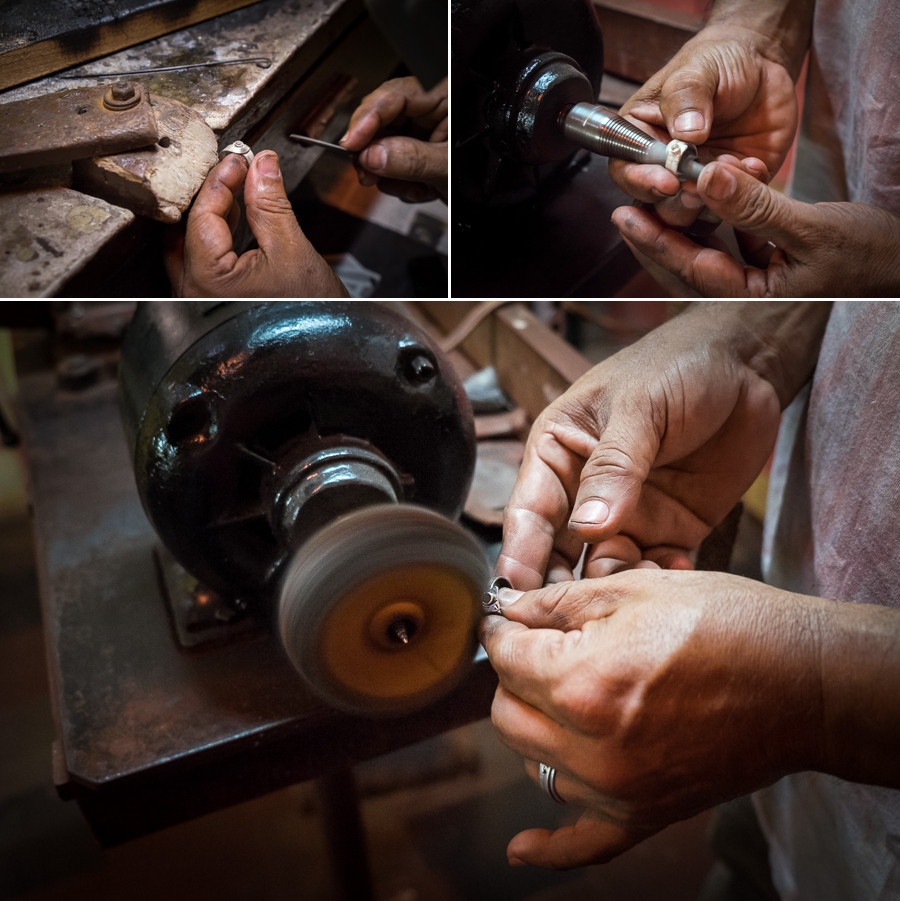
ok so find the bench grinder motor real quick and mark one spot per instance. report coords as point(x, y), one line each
point(307, 461)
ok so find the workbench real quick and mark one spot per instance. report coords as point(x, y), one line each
point(325, 56)
point(152, 733)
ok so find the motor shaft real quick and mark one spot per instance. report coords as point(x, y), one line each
point(604, 132)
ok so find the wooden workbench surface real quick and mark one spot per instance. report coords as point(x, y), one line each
point(296, 35)
point(292, 33)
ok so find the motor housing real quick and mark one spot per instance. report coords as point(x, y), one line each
point(252, 425)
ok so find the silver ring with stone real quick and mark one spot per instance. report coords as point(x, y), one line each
point(237, 147)
point(547, 775)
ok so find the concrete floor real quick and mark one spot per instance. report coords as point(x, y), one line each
point(438, 815)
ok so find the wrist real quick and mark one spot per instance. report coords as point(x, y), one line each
point(778, 30)
point(860, 666)
point(778, 340)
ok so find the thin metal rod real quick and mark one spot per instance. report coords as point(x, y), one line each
point(263, 62)
point(317, 143)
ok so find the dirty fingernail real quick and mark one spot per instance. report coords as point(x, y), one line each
point(508, 596)
point(591, 513)
point(268, 166)
point(689, 121)
point(721, 184)
point(375, 157)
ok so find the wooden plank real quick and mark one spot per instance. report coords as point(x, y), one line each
point(534, 365)
point(639, 38)
point(39, 38)
point(294, 34)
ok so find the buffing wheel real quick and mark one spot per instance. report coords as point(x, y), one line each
point(378, 609)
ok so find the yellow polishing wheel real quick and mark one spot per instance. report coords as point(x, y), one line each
point(378, 610)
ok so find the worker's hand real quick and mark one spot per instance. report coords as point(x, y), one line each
point(655, 695)
point(721, 92)
point(203, 262)
point(795, 249)
point(643, 455)
point(401, 132)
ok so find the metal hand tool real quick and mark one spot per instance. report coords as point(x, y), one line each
point(303, 139)
point(262, 62)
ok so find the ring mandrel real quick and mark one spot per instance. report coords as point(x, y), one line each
point(604, 132)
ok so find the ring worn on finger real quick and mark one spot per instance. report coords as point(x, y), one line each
point(547, 775)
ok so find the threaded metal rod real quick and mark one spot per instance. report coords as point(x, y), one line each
point(603, 132)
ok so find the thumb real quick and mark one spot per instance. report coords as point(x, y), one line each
point(269, 212)
point(686, 101)
point(590, 840)
point(406, 159)
point(746, 203)
point(613, 476)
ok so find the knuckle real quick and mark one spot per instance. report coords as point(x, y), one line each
point(760, 205)
point(273, 203)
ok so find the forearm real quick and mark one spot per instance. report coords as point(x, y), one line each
point(860, 665)
point(779, 340)
point(782, 27)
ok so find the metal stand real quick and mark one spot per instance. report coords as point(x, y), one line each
point(345, 835)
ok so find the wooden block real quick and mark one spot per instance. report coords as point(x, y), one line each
point(159, 181)
point(39, 38)
point(46, 236)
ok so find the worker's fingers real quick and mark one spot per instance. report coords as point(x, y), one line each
point(612, 555)
point(530, 732)
point(667, 558)
point(208, 242)
point(407, 191)
point(559, 569)
point(406, 159)
point(620, 553)
point(534, 522)
point(269, 211)
point(590, 840)
point(613, 476)
point(569, 787)
point(746, 203)
point(562, 606)
point(400, 98)
point(646, 182)
point(708, 272)
point(686, 99)
point(234, 217)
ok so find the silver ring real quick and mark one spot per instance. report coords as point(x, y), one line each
point(237, 147)
point(548, 782)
